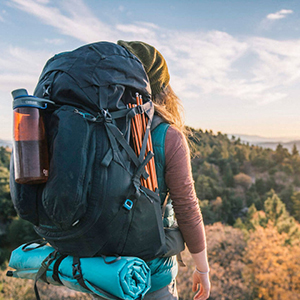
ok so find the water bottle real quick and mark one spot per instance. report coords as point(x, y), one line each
point(31, 163)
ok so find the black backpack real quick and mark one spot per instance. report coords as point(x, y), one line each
point(93, 202)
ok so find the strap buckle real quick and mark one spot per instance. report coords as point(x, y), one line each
point(76, 270)
point(106, 115)
point(139, 109)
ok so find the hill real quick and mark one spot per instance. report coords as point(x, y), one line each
point(257, 190)
point(266, 142)
point(6, 143)
point(230, 175)
point(273, 145)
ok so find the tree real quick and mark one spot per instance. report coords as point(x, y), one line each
point(6, 206)
point(216, 154)
point(20, 232)
point(249, 222)
point(252, 197)
point(295, 151)
point(272, 266)
point(276, 213)
point(241, 154)
point(5, 157)
point(243, 180)
point(225, 246)
point(260, 186)
point(280, 154)
point(209, 170)
point(209, 216)
point(296, 205)
point(228, 176)
point(206, 187)
point(285, 195)
point(274, 208)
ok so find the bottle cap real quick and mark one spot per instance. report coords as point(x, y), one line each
point(22, 99)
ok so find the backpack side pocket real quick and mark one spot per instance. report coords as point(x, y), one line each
point(146, 236)
point(24, 197)
point(65, 194)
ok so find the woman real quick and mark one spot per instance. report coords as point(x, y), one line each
point(177, 177)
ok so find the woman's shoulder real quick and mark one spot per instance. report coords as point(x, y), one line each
point(175, 143)
point(174, 135)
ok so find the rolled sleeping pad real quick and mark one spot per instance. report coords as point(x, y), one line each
point(123, 278)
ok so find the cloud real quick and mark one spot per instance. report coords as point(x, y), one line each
point(54, 41)
point(279, 61)
point(20, 67)
point(257, 70)
point(43, 1)
point(279, 15)
point(213, 62)
point(3, 12)
point(79, 22)
point(133, 29)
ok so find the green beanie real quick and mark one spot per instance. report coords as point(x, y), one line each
point(153, 62)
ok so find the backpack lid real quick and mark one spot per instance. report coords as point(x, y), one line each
point(94, 76)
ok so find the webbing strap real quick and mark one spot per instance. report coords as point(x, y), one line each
point(77, 274)
point(146, 108)
point(120, 113)
point(115, 134)
point(55, 275)
point(40, 243)
point(165, 204)
point(104, 294)
point(140, 109)
point(144, 145)
point(120, 138)
point(142, 166)
point(103, 97)
point(114, 146)
point(42, 272)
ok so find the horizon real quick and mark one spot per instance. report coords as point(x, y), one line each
point(234, 64)
point(244, 137)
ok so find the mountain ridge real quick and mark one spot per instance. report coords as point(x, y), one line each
point(268, 142)
point(256, 140)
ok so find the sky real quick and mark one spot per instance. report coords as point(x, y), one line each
point(234, 64)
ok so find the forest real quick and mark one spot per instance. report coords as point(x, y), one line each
point(250, 202)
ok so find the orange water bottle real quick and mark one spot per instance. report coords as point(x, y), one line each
point(31, 163)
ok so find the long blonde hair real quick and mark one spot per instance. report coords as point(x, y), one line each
point(169, 107)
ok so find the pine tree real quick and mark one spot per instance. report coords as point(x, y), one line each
point(296, 205)
point(295, 151)
point(276, 212)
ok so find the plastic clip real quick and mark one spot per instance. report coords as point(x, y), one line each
point(128, 204)
point(76, 270)
point(106, 115)
point(87, 116)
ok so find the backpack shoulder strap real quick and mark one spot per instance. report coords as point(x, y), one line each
point(156, 121)
point(158, 139)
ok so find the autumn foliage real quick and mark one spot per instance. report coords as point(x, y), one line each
point(260, 264)
point(272, 265)
point(250, 201)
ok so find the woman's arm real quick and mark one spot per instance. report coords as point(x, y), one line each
point(180, 182)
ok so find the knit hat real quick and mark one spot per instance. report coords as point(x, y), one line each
point(153, 62)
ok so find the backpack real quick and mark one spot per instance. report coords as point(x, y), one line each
point(93, 202)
